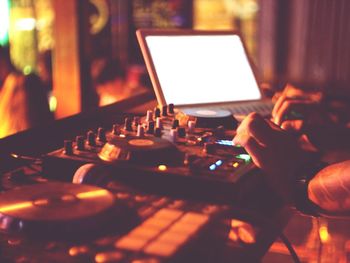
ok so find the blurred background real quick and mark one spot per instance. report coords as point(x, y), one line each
point(86, 53)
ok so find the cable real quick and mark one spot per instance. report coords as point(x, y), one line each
point(290, 248)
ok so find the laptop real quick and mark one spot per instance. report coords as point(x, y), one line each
point(203, 73)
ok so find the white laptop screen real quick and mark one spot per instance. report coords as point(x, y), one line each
point(201, 69)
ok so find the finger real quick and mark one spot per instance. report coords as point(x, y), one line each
point(293, 125)
point(278, 104)
point(290, 106)
point(255, 150)
point(260, 129)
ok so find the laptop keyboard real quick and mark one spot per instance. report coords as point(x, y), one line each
point(262, 107)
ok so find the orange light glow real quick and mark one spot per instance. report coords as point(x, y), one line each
point(40, 202)
point(15, 207)
point(235, 165)
point(92, 194)
point(162, 167)
point(324, 234)
point(232, 235)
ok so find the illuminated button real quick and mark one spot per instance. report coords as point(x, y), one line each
point(131, 243)
point(161, 249)
point(194, 218)
point(218, 162)
point(172, 237)
point(235, 164)
point(144, 232)
point(78, 250)
point(168, 213)
point(155, 222)
point(243, 156)
point(140, 131)
point(184, 228)
point(112, 256)
point(212, 167)
point(162, 167)
point(156, 112)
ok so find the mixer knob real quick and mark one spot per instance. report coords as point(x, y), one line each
point(181, 131)
point(80, 142)
point(101, 135)
point(171, 108)
point(140, 131)
point(156, 112)
point(158, 132)
point(150, 127)
point(209, 148)
point(159, 123)
point(68, 147)
point(149, 116)
point(91, 138)
point(165, 111)
point(191, 126)
point(128, 124)
point(175, 124)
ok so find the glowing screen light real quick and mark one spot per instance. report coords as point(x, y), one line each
point(4, 21)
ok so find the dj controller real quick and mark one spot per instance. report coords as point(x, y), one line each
point(165, 187)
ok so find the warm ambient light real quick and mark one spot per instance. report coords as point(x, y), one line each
point(92, 194)
point(25, 24)
point(4, 21)
point(162, 167)
point(16, 206)
point(324, 234)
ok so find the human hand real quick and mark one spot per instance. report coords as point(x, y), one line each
point(274, 150)
point(298, 110)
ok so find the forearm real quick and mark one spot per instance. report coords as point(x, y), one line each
point(330, 188)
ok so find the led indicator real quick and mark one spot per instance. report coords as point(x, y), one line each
point(212, 167)
point(245, 157)
point(218, 162)
point(162, 167)
point(235, 164)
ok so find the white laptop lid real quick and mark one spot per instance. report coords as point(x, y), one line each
point(194, 68)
